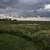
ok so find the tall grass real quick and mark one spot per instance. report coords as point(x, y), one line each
point(35, 36)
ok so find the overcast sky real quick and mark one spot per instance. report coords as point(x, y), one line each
point(25, 7)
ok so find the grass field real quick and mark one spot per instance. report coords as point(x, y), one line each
point(24, 35)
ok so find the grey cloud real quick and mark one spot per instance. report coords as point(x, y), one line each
point(10, 3)
point(23, 7)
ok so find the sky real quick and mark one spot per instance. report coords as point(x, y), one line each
point(25, 7)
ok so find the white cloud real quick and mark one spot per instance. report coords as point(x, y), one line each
point(47, 6)
point(45, 9)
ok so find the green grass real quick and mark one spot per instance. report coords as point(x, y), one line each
point(11, 42)
point(26, 36)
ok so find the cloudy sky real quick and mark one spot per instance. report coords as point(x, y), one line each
point(25, 7)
